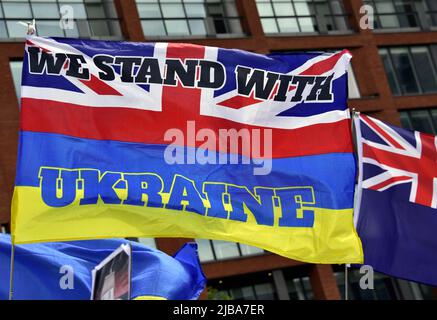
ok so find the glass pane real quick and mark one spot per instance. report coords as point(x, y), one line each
point(384, 7)
point(3, 32)
point(16, 68)
point(269, 25)
point(225, 249)
point(78, 10)
point(195, 10)
point(298, 286)
point(220, 25)
point(283, 9)
point(83, 28)
point(307, 287)
point(421, 121)
point(265, 9)
point(153, 28)
point(150, 242)
point(177, 27)
point(17, 10)
point(234, 26)
point(95, 10)
point(302, 9)
point(408, 20)
point(307, 25)
point(16, 30)
point(197, 27)
point(404, 70)
point(247, 250)
point(389, 71)
point(434, 118)
point(288, 25)
point(264, 291)
point(389, 21)
point(292, 291)
point(99, 28)
point(244, 293)
point(43, 10)
point(424, 69)
point(405, 121)
point(230, 9)
point(49, 28)
point(73, 32)
point(205, 250)
point(149, 11)
point(173, 11)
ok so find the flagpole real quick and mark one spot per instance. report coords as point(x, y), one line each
point(31, 30)
point(346, 283)
point(11, 273)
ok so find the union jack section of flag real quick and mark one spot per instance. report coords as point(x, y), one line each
point(398, 161)
point(266, 104)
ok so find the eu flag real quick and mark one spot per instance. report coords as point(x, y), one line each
point(40, 270)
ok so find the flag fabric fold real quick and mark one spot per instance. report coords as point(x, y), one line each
point(395, 211)
point(62, 271)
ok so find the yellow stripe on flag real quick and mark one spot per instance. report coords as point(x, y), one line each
point(332, 239)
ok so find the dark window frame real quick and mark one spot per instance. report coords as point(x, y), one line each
point(88, 20)
point(319, 19)
point(186, 18)
point(240, 253)
point(397, 77)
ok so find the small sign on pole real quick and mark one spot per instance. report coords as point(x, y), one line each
point(112, 277)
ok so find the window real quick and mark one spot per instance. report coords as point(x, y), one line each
point(395, 13)
point(189, 17)
point(410, 70)
point(296, 16)
point(150, 242)
point(399, 14)
point(16, 69)
point(385, 288)
point(79, 18)
point(210, 250)
point(424, 120)
point(256, 286)
point(298, 283)
point(299, 288)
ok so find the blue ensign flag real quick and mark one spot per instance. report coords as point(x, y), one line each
point(396, 217)
point(62, 271)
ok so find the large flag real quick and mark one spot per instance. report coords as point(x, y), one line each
point(62, 271)
point(126, 139)
point(396, 213)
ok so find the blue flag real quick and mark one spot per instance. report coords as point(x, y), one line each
point(396, 218)
point(40, 270)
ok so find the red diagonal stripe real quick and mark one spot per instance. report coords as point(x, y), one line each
point(100, 87)
point(389, 181)
point(386, 136)
point(238, 101)
point(324, 65)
